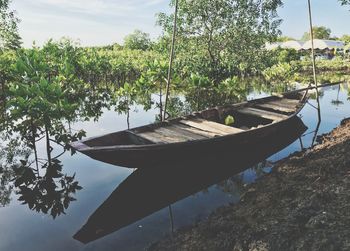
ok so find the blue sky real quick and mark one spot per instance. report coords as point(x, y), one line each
point(101, 22)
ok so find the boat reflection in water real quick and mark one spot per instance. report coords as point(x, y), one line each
point(148, 190)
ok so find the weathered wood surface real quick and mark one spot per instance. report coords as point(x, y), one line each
point(170, 134)
point(185, 130)
point(173, 134)
point(210, 126)
point(157, 138)
point(288, 101)
point(276, 107)
point(205, 134)
point(263, 114)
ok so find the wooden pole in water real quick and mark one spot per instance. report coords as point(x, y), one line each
point(171, 60)
point(312, 44)
point(314, 59)
point(171, 220)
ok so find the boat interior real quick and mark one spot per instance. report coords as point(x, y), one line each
point(206, 124)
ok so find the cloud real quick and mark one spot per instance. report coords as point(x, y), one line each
point(154, 2)
point(94, 22)
point(98, 7)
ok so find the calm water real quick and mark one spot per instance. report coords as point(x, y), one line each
point(23, 229)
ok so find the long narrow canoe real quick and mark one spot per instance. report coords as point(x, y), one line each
point(195, 135)
point(146, 191)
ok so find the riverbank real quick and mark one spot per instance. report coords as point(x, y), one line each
point(304, 204)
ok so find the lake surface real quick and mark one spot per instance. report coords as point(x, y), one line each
point(24, 229)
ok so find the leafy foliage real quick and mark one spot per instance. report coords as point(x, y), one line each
point(137, 40)
point(344, 2)
point(320, 32)
point(345, 38)
point(9, 37)
point(279, 72)
point(51, 193)
point(219, 39)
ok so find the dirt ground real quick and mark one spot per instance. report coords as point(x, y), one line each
point(304, 204)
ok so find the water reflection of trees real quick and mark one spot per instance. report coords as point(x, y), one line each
point(51, 192)
point(12, 151)
point(235, 185)
point(46, 189)
point(337, 101)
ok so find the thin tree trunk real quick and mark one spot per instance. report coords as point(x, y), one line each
point(48, 147)
point(34, 147)
point(172, 53)
point(161, 117)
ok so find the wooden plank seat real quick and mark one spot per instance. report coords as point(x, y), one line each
point(263, 114)
point(210, 126)
point(183, 136)
point(189, 132)
point(175, 133)
point(275, 107)
point(195, 130)
point(158, 138)
point(286, 101)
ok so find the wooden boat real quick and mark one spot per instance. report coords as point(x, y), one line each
point(195, 135)
point(146, 191)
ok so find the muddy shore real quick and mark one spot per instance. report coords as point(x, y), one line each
point(304, 204)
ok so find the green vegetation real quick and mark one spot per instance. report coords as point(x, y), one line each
point(138, 40)
point(301, 70)
point(345, 38)
point(319, 32)
point(9, 37)
point(284, 39)
point(344, 2)
point(220, 39)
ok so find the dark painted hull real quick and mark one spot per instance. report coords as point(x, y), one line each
point(150, 155)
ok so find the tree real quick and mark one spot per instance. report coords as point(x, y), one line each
point(284, 39)
point(344, 2)
point(137, 40)
point(320, 32)
point(345, 38)
point(9, 37)
point(221, 37)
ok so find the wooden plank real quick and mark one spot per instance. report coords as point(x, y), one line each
point(181, 137)
point(210, 126)
point(202, 127)
point(263, 114)
point(174, 134)
point(290, 105)
point(275, 107)
point(187, 133)
point(158, 138)
point(169, 135)
point(288, 101)
point(224, 128)
point(193, 130)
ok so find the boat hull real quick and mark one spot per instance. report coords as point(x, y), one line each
point(241, 144)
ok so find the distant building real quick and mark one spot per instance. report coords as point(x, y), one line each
point(320, 44)
point(299, 45)
point(293, 44)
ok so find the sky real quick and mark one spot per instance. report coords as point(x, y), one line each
point(103, 22)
